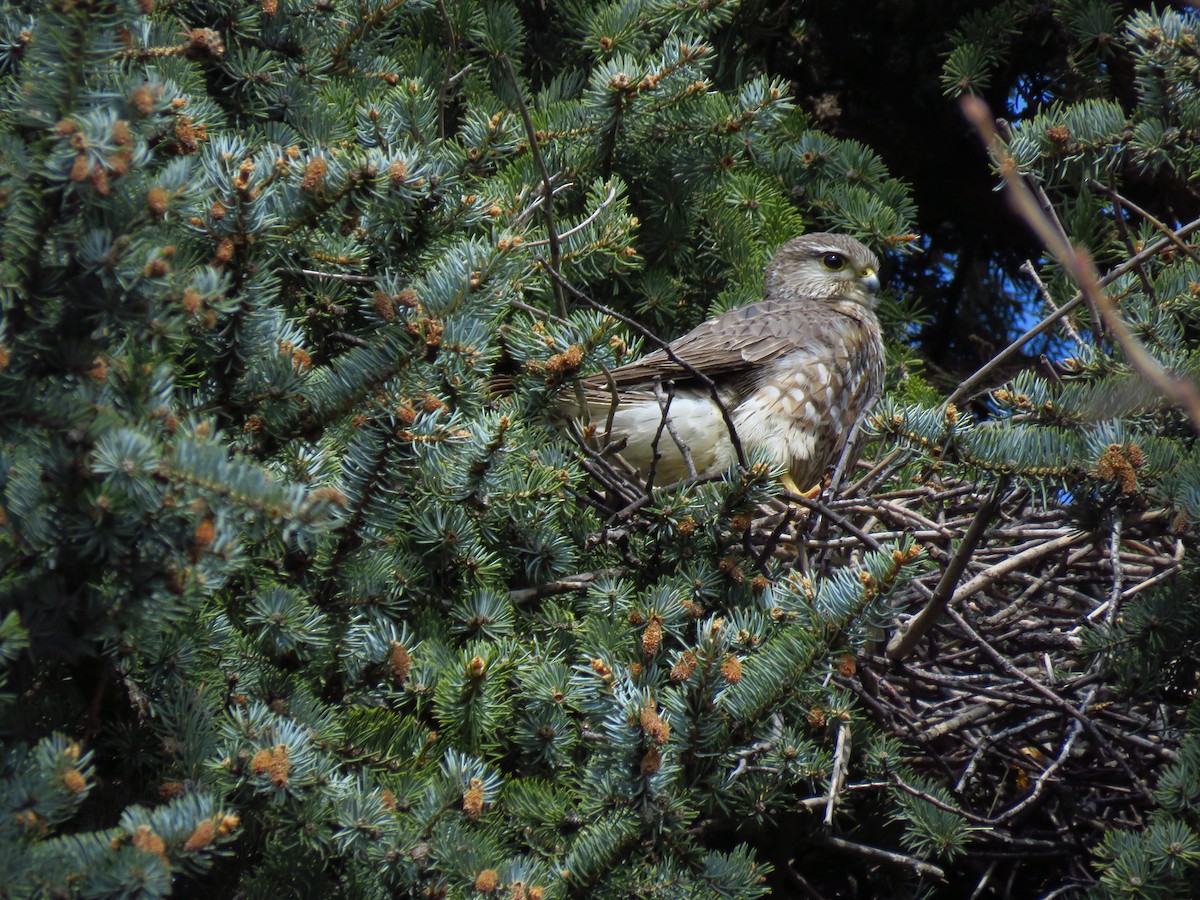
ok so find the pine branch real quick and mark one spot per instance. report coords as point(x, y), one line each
point(1076, 261)
point(972, 381)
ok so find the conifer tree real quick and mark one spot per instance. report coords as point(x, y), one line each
point(304, 594)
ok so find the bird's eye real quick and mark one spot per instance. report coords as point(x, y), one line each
point(834, 262)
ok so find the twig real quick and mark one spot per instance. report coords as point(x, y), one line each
point(601, 469)
point(879, 472)
point(344, 337)
point(536, 203)
point(1031, 270)
point(966, 717)
point(835, 480)
point(1130, 247)
point(1161, 576)
point(994, 738)
point(907, 637)
point(578, 582)
point(841, 756)
point(338, 276)
point(604, 204)
point(664, 403)
point(1161, 227)
point(984, 879)
point(1043, 778)
point(772, 541)
point(840, 521)
point(1114, 554)
point(899, 859)
point(547, 185)
point(744, 756)
point(663, 422)
point(541, 313)
point(799, 881)
point(939, 803)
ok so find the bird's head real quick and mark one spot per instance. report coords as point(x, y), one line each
point(824, 267)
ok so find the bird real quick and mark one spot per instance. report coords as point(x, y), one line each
point(794, 371)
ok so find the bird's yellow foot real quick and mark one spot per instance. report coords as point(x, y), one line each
point(790, 485)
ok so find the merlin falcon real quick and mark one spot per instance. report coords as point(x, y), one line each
point(795, 371)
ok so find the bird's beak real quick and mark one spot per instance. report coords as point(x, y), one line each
point(869, 279)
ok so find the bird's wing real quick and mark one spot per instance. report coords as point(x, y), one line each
point(730, 344)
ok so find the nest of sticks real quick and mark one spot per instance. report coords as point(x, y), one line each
point(984, 674)
point(991, 683)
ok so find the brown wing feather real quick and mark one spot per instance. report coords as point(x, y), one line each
point(732, 343)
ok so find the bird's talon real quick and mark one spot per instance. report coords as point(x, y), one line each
point(789, 484)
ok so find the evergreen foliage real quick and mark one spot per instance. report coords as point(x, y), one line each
point(304, 594)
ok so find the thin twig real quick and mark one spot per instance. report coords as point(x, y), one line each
point(841, 757)
point(907, 638)
point(1161, 576)
point(840, 521)
point(1031, 270)
point(935, 801)
point(1114, 553)
point(547, 185)
point(1130, 248)
point(1161, 227)
point(604, 204)
point(536, 203)
point(578, 582)
point(346, 338)
point(899, 859)
point(664, 403)
point(879, 472)
point(655, 456)
point(540, 313)
point(339, 276)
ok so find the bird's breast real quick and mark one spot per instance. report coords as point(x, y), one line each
point(804, 405)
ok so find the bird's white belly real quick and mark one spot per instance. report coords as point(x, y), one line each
point(697, 423)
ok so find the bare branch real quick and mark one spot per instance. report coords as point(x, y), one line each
point(664, 403)
point(841, 758)
point(547, 184)
point(907, 637)
point(604, 204)
point(897, 859)
point(339, 276)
